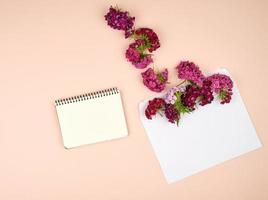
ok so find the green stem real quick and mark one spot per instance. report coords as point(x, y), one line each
point(181, 83)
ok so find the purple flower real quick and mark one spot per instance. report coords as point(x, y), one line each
point(191, 72)
point(119, 20)
point(155, 81)
point(170, 97)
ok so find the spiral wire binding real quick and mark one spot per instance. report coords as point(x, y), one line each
point(87, 96)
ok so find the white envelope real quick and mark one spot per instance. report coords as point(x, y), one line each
point(208, 136)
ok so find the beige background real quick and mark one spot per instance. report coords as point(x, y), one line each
point(57, 48)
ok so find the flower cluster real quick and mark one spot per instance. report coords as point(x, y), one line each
point(194, 93)
point(171, 95)
point(206, 93)
point(137, 56)
point(191, 72)
point(149, 36)
point(119, 20)
point(196, 89)
point(155, 81)
point(139, 51)
point(158, 105)
point(190, 96)
point(154, 106)
point(222, 85)
point(171, 113)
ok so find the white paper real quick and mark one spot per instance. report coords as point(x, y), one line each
point(92, 120)
point(208, 136)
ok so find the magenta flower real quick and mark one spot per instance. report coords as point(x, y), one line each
point(190, 96)
point(195, 90)
point(222, 85)
point(150, 38)
point(135, 54)
point(119, 20)
point(171, 113)
point(191, 72)
point(225, 96)
point(155, 81)
point(220, 82)
point(206, 94)
point(144, 61)
point(132, 55)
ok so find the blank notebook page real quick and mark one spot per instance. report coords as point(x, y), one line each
point(91, 118)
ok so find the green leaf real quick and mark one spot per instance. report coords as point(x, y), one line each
point(179, 105)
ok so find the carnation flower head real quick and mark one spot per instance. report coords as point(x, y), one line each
point(225, 96)
point(144, 61)
point(220, 82)
point(190, 96)
point(155, 81)
point(206, 94)
point(132, 55)
point(135, 54)
point(191, 72)
point(153, 107)
point(170, 96)
point(222, 85)
point(194, 95)
point(120, 20)
point(149, 36)
point(171, 113)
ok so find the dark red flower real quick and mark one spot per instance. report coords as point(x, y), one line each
point(206, 94)
point(153, 107)
point(150, 38)
point(190, 96)
point(171, 113)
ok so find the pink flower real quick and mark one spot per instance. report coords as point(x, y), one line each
point(191, 72)
point(139, 60)
point(132, 55)
point(222, 85)
point(144, 61)
point(220, 82)
point(155, 81)
point(136, 55)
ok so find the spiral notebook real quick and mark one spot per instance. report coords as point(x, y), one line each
point(91, 118)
